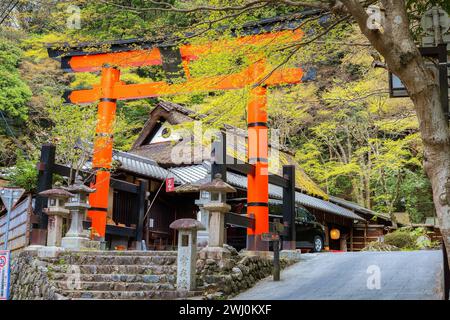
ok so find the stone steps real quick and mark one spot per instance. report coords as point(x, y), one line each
point(130, 278)
point(124, 253)
point(113, 286)
point(118, 275)
point(127, 295)
point(117, 260)
point(116, 269)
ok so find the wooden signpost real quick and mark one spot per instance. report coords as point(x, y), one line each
point(274, 237)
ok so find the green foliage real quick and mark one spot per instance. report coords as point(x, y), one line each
point(361, 145)
point(401, 239)
point(10, 55)
point(408, 238)
point(23, 174)
point(14, 93)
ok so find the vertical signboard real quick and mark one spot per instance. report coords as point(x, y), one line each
point(170, 184)
point(4, 274)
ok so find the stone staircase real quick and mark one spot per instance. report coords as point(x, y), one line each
point(115, 275)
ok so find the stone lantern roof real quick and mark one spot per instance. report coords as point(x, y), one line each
point(56, 193)
point(187, 224)
point(217, 185)
point(79, 188)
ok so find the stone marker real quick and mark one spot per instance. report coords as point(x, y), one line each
point(187, 252)
point(56, 213)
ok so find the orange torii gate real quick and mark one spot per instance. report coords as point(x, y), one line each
point(111, 89)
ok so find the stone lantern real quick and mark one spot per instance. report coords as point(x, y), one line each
point(56, 213)
point(76, 237)
point(217, 208)
point(187, 252)
point(203, 217)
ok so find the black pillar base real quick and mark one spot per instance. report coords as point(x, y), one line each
point(255, 243)
point(289, 245)
point(38, 237)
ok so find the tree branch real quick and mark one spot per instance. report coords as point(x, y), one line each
point(317, 5)
point(229, 16)
point(356, 9)
point(164, 6)
point(297, 47)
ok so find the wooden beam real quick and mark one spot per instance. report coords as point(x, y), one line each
point(239, 80)
point(124, 186)
point(279, 181)
point(134, 56)
point(243, 168)
point(239, 220)
point(116, 184)
point(115, 230)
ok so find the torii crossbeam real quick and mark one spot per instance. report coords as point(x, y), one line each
point(112, 89)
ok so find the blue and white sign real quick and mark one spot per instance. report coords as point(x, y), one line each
point(4, 274)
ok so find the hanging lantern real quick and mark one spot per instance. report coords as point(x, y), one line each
point(335, 234)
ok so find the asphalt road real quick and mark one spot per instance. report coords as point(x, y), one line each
point(356, 276)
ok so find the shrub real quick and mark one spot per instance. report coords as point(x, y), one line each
point(401, 239)
point(409, 238)
point(24, 174)
point(379, 246)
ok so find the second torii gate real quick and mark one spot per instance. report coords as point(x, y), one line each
point(111, 89)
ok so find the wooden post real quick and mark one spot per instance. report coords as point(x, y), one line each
point(351, 238)
point(327, 236)
point(142, 208)
point(45, 180)
point(219, 157)
point(289, 242)
point(365, 235)
point(276, 260)
point(446, 273)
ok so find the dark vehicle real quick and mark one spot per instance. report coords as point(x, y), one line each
point(310, 234)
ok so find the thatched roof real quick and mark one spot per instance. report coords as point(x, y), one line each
point(176, 114)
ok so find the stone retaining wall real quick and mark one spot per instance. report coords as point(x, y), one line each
point(29, 278)
point(220, 274)
point(223, 276)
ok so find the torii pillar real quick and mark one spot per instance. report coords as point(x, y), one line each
point(103, 149)
point(258, 183)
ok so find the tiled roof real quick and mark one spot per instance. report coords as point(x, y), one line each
point(137, 164)
point(140, 165)
point(188, 174)
point(356, 207)
point(191, 174)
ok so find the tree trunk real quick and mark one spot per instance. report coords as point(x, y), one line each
point(395, 43)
